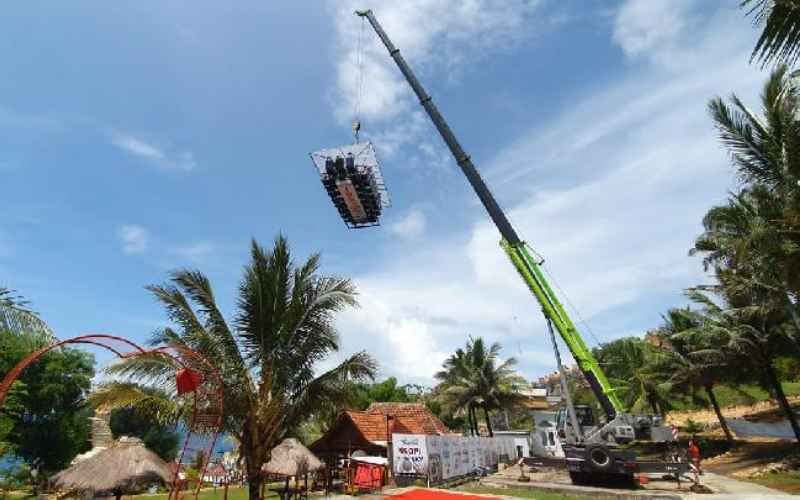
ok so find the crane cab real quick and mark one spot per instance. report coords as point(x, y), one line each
point(586, 420)
point(621, 433)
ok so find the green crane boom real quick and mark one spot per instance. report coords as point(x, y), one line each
point(530, 271)
point(516, 249)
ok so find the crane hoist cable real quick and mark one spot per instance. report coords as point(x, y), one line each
point(359, 81)
point(571, 305)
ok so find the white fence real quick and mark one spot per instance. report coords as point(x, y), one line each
point(445, 457)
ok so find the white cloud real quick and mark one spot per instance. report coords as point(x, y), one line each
point(429, 33)
point(434, 36)
point(195, 253)
point(644, 25)
point(134, 238)
point(179, 160)
point(611, 191)
point(410, 226)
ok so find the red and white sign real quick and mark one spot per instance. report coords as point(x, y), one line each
point(350, 196)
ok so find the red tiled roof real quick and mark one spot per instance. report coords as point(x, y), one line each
point(215, 470)
point(409, 418)
point(416, 418)
point(372, 427)
point(354, 429)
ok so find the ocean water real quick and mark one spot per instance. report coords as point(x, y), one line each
point(8, 462)
point(198, 443)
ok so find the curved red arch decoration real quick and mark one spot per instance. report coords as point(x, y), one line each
point(208, 396)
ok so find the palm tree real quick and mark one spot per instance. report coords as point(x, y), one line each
point(472, 379)
point(15, 317)
point(756, 235)
point(747, 334)
point(780, 40)
point(268, 355)
point(687, 362)
point(627, 364)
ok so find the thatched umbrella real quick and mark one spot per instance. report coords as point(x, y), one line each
point(120, 467)
point(291, 458)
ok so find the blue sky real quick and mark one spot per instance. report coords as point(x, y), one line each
point(137, 138)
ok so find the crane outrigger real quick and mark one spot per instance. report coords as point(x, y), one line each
point(591, 451)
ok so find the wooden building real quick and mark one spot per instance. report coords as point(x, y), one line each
point(370, 431)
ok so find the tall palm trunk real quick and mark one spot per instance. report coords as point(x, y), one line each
point(488, 421)
point(254, 477)
point(654, 407)
point(781, 397)
point(252, 450)
point(473, 423)
point(722, 422)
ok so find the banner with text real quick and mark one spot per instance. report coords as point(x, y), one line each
point(445, 457)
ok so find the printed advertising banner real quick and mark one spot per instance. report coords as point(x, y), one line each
point(445, 457)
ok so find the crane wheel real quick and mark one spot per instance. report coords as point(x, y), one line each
point(599, 458)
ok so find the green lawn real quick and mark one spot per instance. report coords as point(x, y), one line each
point(210, 494)
point(735, 396)
point(520, 493)
point(784, 481)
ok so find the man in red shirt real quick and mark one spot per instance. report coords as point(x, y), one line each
point(694, 454)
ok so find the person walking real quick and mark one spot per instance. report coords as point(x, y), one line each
point(694, 455)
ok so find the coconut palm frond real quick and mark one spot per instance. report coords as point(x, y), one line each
point(160, 405)
point(16, 317)
point(780, 39)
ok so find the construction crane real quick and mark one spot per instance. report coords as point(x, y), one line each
point(591, 451)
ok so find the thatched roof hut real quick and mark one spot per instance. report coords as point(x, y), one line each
point(123, 466)
point(291, 458)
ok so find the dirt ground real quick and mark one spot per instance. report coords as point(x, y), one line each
point(764, 411)
point(747, 456)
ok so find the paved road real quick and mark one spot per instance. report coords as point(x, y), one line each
point(732, 488)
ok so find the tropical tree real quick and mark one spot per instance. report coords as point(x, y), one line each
point(359, 395)
point(45, 418)
point(16, 317)
point(475, 379)
point(627, 364)
point(757, 233)
point(780, 39)
point(151, 427)
point(747, 334)
point(268, 356)
point(687, 362)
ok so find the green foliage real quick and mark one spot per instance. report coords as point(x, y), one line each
point(780, 39)
point(216, 494)
point(268, 356)
point(473, 378)
point(627, 363)
point(692, 427)
point(386, 391)
point(788, 482)
point(750, 317)
point(15, 317)
point(16, 478)
point(157, 436)
point(47, 417)
point(788, 367)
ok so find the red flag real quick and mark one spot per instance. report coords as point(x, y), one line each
point(187, 380)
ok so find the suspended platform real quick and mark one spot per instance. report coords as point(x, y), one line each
point(352, 178)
